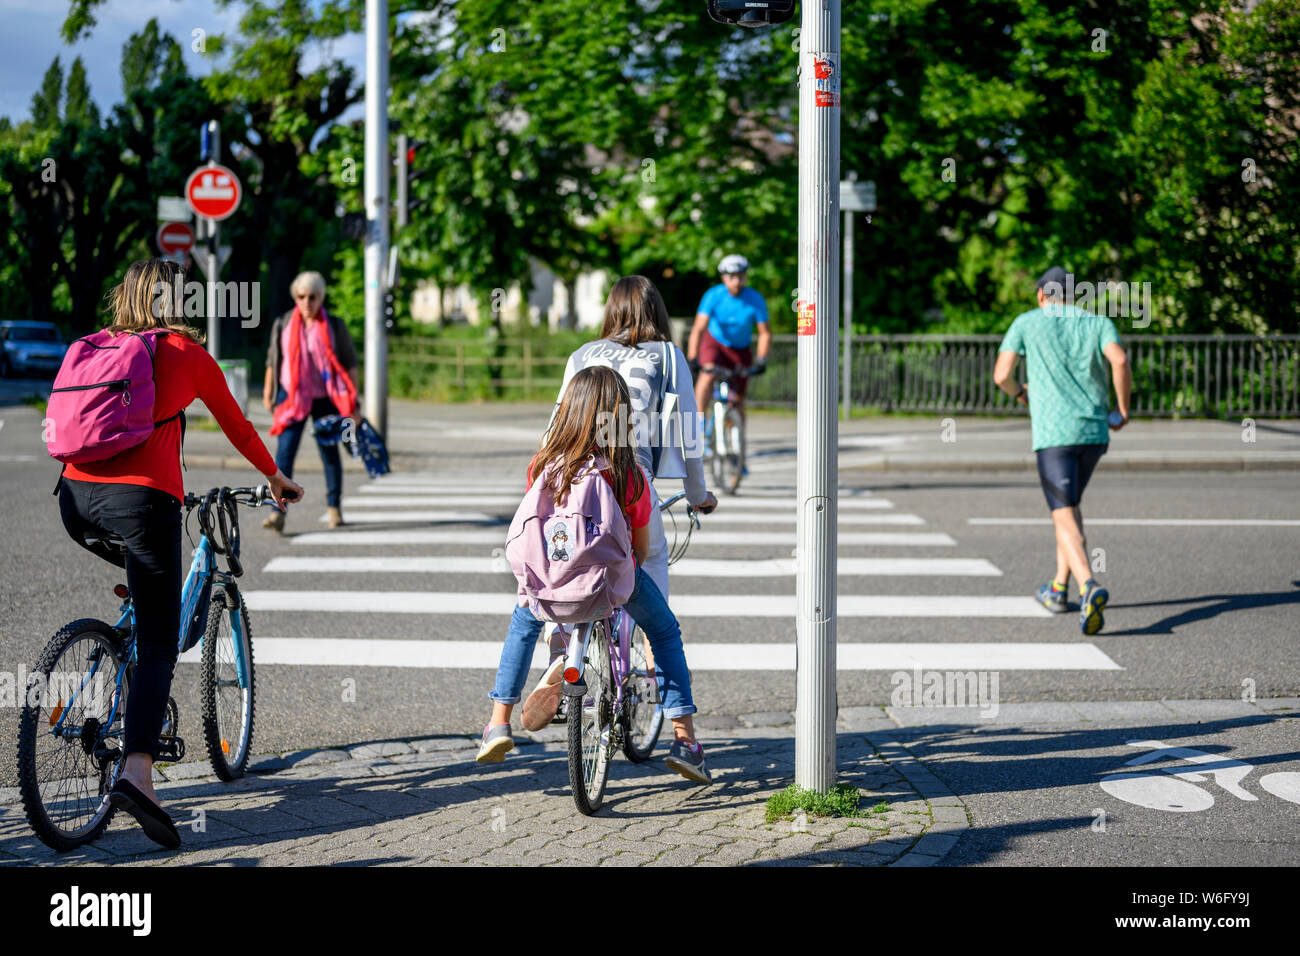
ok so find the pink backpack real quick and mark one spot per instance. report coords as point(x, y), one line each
point(102, 399)
point(573, 561)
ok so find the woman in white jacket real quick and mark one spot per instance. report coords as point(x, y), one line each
point(635, 341)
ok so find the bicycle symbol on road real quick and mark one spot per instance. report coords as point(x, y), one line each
point(1175, 790)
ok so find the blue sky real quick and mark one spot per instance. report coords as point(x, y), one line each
point(29, 41)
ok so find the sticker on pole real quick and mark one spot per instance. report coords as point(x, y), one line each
point(807, 318)
point(213, 192)
point(175, 238)
point(826, 79)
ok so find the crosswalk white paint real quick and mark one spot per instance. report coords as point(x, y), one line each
point(700, 539)
point(391, 497)
point(688, 567)
point(484, 655)
point(1157, 522)
point(685, 606)
point(367, 516)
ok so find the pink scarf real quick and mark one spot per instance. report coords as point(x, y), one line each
point(297, 405)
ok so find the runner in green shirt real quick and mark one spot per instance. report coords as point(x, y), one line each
point(1066, 352)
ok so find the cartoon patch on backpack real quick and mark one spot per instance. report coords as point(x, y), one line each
point(558, 535)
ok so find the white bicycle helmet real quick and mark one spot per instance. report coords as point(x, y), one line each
point(731, 265)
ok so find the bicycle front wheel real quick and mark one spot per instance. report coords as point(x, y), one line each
point(227, 684)
point(729, 452)
point(643, 702)
point(591, 726)
point(69, 734)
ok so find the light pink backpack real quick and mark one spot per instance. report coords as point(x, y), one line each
point(102, 399)
point(573, 561)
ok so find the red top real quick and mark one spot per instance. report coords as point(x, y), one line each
point(636, 510)
point(183, 371)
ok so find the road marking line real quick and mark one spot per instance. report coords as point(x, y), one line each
point(392, 497)
point(701, 539)
point(693, 567)
point(687, 605)
point(1158, 522)
point(485, 655)
point(410, 517)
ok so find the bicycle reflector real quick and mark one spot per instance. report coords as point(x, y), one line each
point(121, 591)
point(571, 675)
point(751, 13)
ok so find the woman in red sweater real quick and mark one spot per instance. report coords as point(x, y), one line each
point(137, 495)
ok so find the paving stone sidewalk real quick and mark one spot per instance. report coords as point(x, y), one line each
point(426, 802)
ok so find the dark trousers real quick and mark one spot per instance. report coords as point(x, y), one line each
point(287, 450)
point(149, 521)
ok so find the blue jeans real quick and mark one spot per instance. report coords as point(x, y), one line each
point(287, 450)
point(647, 607)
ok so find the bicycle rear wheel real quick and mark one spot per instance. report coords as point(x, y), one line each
point(643, 703)
point(66, 746)
point(729, 452)
point(227, 701)
point(591, 726)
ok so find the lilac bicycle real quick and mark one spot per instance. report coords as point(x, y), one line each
point(613, 693)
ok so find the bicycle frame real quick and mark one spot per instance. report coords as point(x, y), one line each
point(619, 627)
point(203, 572)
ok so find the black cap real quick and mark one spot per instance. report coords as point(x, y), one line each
point(1055, 274)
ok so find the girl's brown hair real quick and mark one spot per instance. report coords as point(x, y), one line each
point(593, 419)
point(151, 296)
point(635, 313)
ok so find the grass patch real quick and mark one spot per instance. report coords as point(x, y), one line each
point(844, 800)
point(35, 401)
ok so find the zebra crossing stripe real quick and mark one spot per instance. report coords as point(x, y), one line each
point(1159, 522)
point(366, 516)
point(701, 539)
point(390, 497)
point(485, 655)
point(689, 567)
point(687, 605)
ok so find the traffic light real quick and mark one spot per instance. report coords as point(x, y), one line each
point(751, 13)
point(408, 171)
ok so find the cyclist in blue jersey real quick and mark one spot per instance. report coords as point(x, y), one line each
point(724, 330)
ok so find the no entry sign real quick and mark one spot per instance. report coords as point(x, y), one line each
point(213, 191)
point(175, 238)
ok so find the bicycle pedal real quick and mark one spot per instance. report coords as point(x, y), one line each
point(562, 715)
point(171, 749)
point(652, 692)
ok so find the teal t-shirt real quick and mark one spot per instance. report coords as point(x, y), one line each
point(1067, 374)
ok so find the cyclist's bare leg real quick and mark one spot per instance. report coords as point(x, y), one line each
point(138, 771)
point(684, 729)
point(500, 713)
point(704, 391)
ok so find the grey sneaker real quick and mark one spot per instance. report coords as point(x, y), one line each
point(1053, 599)
point(497, 742)
point(689, 763)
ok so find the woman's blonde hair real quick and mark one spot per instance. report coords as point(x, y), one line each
point(151, 296)
point(594, 418)
point(635, 313)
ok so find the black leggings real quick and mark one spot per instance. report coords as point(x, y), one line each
point(149, 521)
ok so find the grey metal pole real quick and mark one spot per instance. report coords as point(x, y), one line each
point(214, 259)
point(376, 258)
point(818, 427)
point(847, 396)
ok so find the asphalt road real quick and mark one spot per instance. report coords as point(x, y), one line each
point(1195, 610)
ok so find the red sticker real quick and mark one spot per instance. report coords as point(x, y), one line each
point(807, 318)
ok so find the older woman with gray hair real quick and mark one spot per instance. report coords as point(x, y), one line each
point(311, 369)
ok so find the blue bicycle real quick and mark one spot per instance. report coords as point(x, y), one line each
point(70, 734)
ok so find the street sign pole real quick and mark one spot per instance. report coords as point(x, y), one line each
point(816, 704)
point(213, 149)
point(846, 396)
point(376, 259)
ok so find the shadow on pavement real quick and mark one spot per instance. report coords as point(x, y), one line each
point(1221, 604)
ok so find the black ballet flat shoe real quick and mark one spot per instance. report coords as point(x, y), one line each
point(153, 819)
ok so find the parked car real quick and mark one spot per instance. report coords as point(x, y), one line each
point(28, 348)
